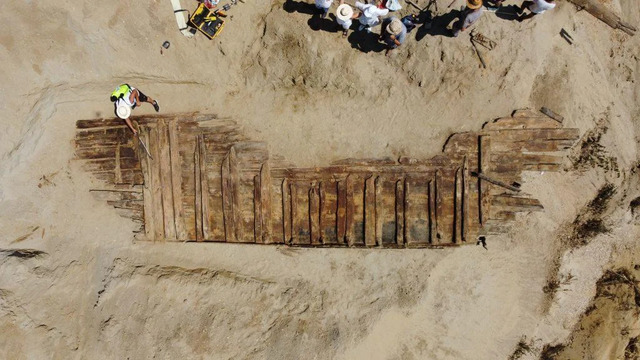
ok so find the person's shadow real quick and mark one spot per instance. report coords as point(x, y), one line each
point(327, 24)
point(315, 22)
point(365, 41)
point(302, 7)
point(509, 12)
point(438, 25)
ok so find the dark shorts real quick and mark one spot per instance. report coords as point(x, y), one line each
point(142, 97)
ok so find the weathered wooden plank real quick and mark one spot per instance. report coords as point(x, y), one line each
point(265, 203)
point(379, 210)
point(127, 204)
point(314, 215)
point(355, 210)
point(342, 211)
point(514, 203)
point(176, 182)
point(534, 145)
point(416, 210)
point(164, 162)
point(198, 192)
point(149, 226)
point(519, 123)
point(457, 207)
point(437, 202)
point(207, 217)
point(156, 184)
point(329, 212)
point(518, 167)
point(118, 172)
point(446, 205)
point(286, 212)
point(365, 162)
point(400, 225)
point(432, 211)
point(300, 213)
point(110, 164)
point(105, 152)
point(485, 144)
point(533, 134)
point(235, 196)
point(98, 123)
point(369, 211)
point(503, 216)
point(258, 221)
point(465, 201)
point(129, 177)
point(525, 159)
point(227, 200)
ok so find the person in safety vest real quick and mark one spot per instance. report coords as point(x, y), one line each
point(125, 98)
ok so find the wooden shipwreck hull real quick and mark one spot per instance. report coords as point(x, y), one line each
point(207, 182)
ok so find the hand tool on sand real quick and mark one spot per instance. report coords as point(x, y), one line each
point(144, 147)
point(565, 35)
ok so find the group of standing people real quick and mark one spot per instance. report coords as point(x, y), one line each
point(394, 30)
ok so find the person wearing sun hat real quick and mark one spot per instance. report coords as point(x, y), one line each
point(470, 15)
point(323, 7)
point(394, 33)
point(370, 14)
point(535, 7)
point(125, 98)
point(344, 17)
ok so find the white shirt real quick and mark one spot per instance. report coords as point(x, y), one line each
point(346, 24)
point(370, 13)
point(126, 98)
point(540, 6)
point(324, 3)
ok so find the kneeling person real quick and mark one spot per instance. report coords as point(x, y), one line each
point(394, 33)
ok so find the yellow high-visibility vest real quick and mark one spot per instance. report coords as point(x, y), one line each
point(120, 91)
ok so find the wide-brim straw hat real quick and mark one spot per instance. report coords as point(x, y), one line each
point(123, 111)
point(394, 27)
point(474, 4)
point(344, 12)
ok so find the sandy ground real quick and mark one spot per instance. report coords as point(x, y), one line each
point(96, 294)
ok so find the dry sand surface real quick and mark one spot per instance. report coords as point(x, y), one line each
point(87, 290)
